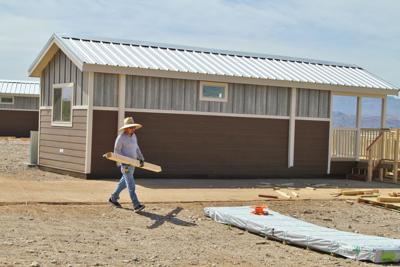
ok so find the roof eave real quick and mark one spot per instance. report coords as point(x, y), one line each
point(46, 54)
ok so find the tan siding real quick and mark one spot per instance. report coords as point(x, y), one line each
point(62, 165)
point(71, 140)
point(58, 145)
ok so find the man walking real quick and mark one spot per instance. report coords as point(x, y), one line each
point(126, 145)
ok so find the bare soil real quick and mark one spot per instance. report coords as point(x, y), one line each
point(173, 234)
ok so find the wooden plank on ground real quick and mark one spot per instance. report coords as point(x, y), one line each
point(359, 192)
point(283, 194)
point(374, 201)
point(389, 199)
point(267, 196)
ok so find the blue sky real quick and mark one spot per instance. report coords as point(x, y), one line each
point(362, 32)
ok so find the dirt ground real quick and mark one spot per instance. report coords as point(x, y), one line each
point(166, 234)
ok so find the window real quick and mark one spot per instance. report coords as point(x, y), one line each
point(7, 100)
point(62, 104)
point(210, 91)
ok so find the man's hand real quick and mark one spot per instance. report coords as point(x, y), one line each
point(141, 161)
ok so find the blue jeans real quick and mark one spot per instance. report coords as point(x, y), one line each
point(127, 180)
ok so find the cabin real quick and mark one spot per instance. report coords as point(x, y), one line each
point(19, 107)
point(206, 113)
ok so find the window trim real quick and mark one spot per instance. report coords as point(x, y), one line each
point(62, 123)
point(6, 103)
point(204, 98)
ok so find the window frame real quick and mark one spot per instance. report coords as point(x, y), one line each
point(61, 86)
point(6, 103)
point(215, 84)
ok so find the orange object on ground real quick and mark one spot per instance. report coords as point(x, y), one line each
point(260, 210)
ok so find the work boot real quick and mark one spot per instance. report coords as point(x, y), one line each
point(114, 203)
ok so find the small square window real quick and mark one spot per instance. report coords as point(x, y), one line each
point(6, 100)
point(62, 104)
point(210, 91)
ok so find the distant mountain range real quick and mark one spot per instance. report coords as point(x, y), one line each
point(344, 112)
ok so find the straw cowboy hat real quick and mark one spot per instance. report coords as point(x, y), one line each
point(128, 123)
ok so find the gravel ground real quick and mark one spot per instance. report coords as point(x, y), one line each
point(165, 234)
point(14, 159)
point(171, 235)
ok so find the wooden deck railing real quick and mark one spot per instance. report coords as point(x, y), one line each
point(384, 149)
point(344, 143)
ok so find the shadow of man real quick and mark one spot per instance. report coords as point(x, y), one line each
point(169, 217)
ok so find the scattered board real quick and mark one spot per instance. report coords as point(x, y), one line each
point(267, 196)
point(374, 201)
point(359, 192)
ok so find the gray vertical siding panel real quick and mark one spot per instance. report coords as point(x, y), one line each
point(250, 99)
point(73, 79)
point(313, 103)
point(261, 100)
point(61, 69)
point(282, 101)
point(238, 99)
point(227, 107)
point(152, 93)
point(85, 85)
point(67, 69)
point(139, 92)
point(57, 68)
point(165, 93)
point(51, 82)
point(323, 105)
point(97, 89)
point(272, 101)
point(178, 94)
point(22, 102)
point(313, 98)
point(106, 90)
point(303, 102)
point(128, 91)
point(78, 88)
point(183, 95)
point(191, 97)
point(215, 107)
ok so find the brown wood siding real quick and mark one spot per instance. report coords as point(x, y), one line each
point(191, 146)
point(18, 123)
point(104, 131)
point(71, 139)
point(196, 146)
point(311, 148)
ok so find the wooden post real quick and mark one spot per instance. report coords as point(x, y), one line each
point(383, 112)
point(358, 126)
point(396, 157)
point(370, 166)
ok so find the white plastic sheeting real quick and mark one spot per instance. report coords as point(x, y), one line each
point(293, 231)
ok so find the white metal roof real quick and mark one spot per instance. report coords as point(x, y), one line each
point(144, 55)
point(19, 87)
